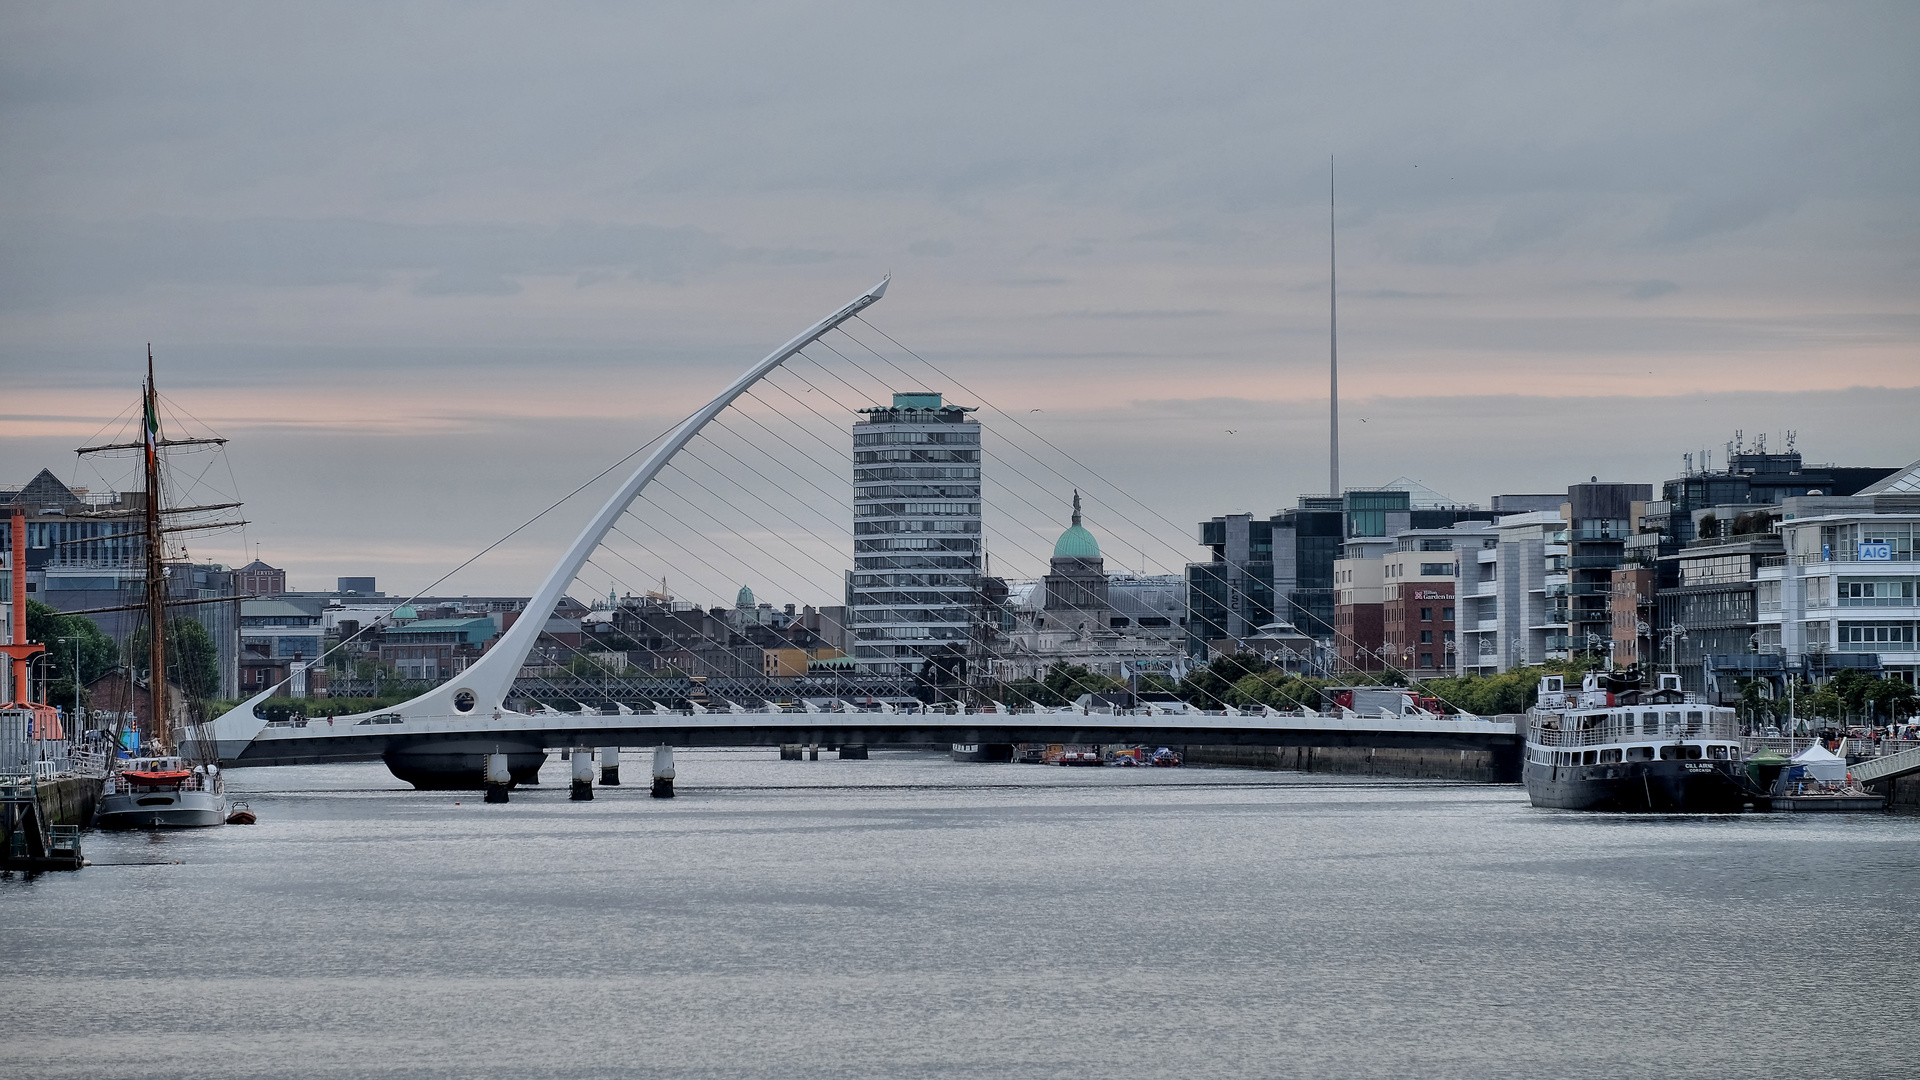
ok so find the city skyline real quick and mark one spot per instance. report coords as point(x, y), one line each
point(1649, 227)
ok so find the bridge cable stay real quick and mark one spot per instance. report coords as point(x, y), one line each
point(836, 449)
point(697, 499)
point(988, 499)
point(1388, 666)
point(840, 452)
point(488, 680)
point(1043, 537)
point(845, 461)
point(989, 455)
point(1091, 491)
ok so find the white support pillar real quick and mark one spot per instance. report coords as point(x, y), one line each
point(663, 772)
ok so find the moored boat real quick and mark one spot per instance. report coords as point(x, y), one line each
point(1659, 751)
point(160, 790)
point(163, 793)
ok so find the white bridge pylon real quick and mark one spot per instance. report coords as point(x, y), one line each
point(481, 690)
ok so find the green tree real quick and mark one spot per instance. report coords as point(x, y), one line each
point(1156, 683)
point(98, 653)
point(193, 660)
point(1892, 699)
point(1754, 704)
point(1069, 683)
point(1280, 689)
point(1210, 684)
point(1026, 691)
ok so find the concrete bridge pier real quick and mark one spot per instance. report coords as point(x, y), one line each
point(792, 751)
point(662, 772)
point(582, 790)
point(499, 777)
point(609, 766)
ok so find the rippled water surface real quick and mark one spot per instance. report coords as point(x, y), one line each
point(908, 916)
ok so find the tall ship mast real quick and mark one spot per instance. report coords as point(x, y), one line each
point(158, 727)
point(157, 788)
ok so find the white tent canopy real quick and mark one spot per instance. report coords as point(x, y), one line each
point(1822, 763)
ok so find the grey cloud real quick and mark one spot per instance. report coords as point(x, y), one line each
point(1652, 289)
point(50, 260)
point(938, 249)
point(1700, 215)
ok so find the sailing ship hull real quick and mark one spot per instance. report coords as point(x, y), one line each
point(161, 810)
point(1661, 787)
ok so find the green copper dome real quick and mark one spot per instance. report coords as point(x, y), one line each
point(1076, 542)
point(744, 599)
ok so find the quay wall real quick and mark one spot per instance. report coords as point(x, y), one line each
point(1905, 793)
point(1476, 766)
point(70, 800)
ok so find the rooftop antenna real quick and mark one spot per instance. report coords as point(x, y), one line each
point(1739, 440)
point(1333, 346)
point(1689, 459)
point(1791, 436)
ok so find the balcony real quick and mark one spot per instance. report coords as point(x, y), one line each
point(1852, 557)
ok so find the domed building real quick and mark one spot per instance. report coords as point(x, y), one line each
point(1113, 624)
point(1076, 588)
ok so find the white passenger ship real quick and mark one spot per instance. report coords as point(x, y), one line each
point(1659, 751)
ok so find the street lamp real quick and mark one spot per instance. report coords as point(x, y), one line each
point(1676, 634)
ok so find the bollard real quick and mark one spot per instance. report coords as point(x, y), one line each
point(791, 751)
point(498, 779)
point(582, 775)
point(609, 766)
point(663, 772)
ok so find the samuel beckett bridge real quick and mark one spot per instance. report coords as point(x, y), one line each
point(752, 485)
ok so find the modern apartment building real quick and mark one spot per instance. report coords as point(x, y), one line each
point(1845, 591)
point(1360, 604)
point(1419, 581)
point(1281, 569)
point(914, 591)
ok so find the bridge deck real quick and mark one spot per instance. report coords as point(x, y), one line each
point(321, 741)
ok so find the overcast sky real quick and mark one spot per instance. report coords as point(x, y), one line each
point(431, 266)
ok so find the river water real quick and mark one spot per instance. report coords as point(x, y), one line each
point(912, 917)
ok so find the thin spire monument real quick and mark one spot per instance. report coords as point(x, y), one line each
point(1333, 347)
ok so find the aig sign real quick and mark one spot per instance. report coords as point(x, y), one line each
point(1876, 553)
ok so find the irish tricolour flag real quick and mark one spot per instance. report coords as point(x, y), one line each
point(153, 427)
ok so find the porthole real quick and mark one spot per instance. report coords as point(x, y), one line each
point(464, 701)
